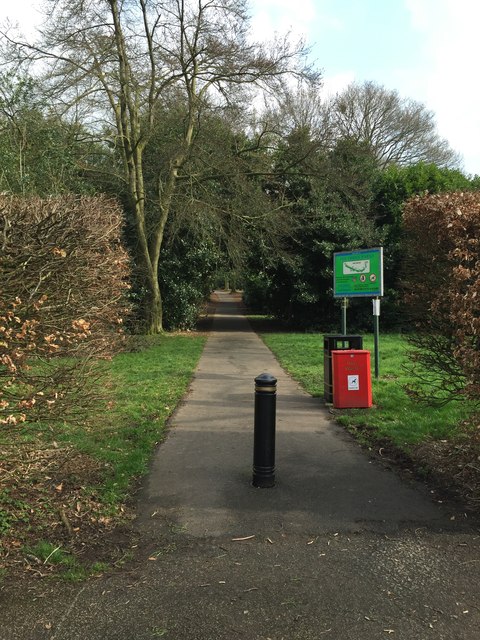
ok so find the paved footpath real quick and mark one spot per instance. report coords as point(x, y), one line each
point(341, 548)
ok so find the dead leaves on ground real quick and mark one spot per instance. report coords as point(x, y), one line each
point(45, 493)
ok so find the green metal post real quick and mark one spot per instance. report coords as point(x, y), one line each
point(344, 316)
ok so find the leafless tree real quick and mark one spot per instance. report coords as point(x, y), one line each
point(302, 107)
point(398, 130)
point(116, 61)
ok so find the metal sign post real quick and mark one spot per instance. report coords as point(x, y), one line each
point(344, 315)
point(376, 333)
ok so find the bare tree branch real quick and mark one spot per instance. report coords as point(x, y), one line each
point(398, 130)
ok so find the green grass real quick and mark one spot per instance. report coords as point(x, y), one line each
point(146, 385)
point(395, 415)
point(141, 389)
point(46, 554)
point(98, 458)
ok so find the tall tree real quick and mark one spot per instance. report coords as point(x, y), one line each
point(328, 197)
point(116, 61)
point(398, 130)
point(214, 211)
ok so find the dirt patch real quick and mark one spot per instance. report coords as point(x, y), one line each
point(454, 465)
point(48, 494)
point(450, 467)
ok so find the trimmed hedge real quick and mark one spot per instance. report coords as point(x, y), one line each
point(62, 301)
point(442, 291)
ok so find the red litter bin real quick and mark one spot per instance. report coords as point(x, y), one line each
point(352, 381)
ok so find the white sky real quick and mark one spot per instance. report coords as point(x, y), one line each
point(22, 11)
point(428, 50)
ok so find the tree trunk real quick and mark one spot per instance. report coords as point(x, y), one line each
point(147, 259)
point(153, 309)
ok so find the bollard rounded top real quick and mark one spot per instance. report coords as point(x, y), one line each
point(265, 380)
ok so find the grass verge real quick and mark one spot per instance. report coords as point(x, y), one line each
point(442, 442)
point(63, 485)
point(395, 415)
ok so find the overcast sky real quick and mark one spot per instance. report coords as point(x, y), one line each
point(428, 50)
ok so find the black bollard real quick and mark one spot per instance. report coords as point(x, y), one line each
point(264, 431)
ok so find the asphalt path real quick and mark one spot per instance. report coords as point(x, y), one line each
point(340, 548)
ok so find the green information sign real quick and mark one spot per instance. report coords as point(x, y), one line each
point(358, 273)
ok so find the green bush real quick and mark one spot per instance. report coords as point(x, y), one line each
point(187, 271)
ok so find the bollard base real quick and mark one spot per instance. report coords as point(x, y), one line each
point(263, 480)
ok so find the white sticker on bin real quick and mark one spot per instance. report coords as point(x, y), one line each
point(353, 383)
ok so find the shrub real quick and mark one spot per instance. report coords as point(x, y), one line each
point(63, 273)
point(442, 293)
point(186, 276)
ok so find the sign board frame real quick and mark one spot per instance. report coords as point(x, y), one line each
point(358, 274)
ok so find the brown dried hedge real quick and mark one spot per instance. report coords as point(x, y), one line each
point(63, 274)
point(442, 292)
